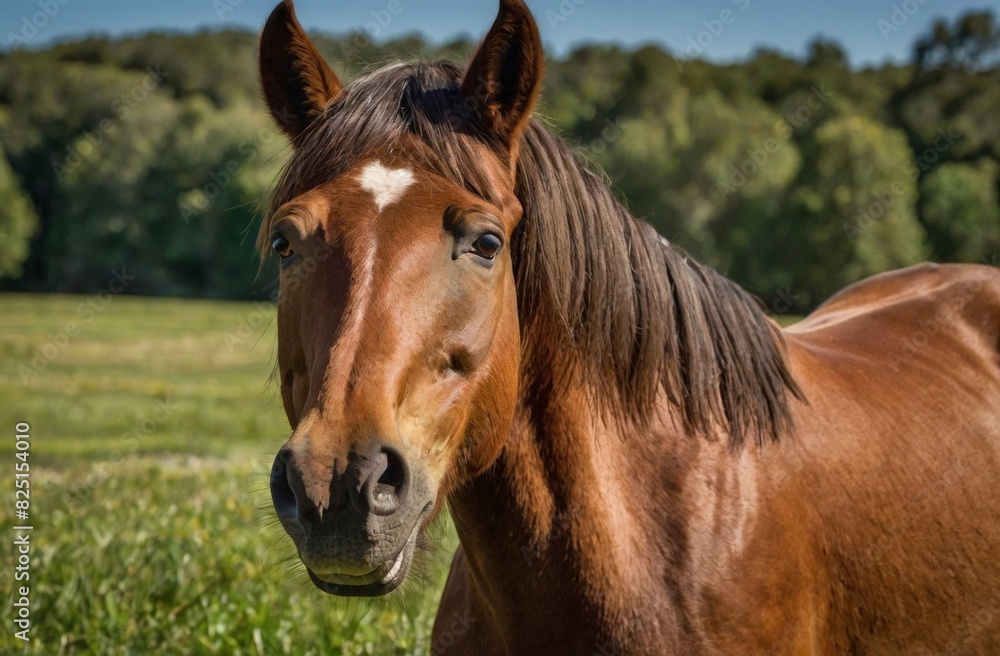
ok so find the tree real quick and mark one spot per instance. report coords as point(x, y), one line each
point(962, 212)
point(853, 208)
point(793, 176)
point(18, 221)
point(824, 53)
point(972, 42)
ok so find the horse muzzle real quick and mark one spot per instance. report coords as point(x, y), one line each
point(355, 530)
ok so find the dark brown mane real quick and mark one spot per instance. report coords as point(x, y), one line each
point(599, 286)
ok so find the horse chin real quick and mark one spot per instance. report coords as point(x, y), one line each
point(380, 581)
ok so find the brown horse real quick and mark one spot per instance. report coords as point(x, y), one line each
point(637, 459)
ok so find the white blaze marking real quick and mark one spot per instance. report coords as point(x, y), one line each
point(386, 185)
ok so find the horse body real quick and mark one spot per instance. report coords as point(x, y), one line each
point(637, 459)
point(873, 530)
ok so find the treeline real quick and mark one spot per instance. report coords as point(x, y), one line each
point(792, 177)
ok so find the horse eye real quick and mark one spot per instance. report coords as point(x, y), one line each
point(281, 246)
point(487, 246)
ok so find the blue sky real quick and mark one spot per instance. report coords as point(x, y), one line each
point(870, 30)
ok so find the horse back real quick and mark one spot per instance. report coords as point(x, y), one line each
point(895, 464)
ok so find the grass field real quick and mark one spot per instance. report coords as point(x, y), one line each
point(152, 432)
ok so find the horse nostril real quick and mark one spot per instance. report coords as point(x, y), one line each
point(282, 495)
point(395, 471)
point(386, 493)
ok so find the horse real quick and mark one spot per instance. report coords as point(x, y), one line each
point(638, 460)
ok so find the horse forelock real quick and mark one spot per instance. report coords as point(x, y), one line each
point(595, 285)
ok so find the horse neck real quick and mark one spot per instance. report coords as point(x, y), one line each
point(578, 517)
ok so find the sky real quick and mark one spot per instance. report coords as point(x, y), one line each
point(871, 31)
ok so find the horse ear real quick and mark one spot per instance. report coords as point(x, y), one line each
point(504, 77)
point(297, 83)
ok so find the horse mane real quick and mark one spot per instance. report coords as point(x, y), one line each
point(594, 284)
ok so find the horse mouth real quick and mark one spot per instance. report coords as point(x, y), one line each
point(381, 580)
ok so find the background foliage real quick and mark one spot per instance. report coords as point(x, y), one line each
point(794, 178)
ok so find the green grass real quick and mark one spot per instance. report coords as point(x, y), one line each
point(152, 432)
